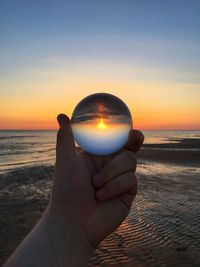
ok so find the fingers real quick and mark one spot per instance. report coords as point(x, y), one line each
point(135, 141)
point(117, 178)
point(123, 162)
point(65, 146)
point(127, 182)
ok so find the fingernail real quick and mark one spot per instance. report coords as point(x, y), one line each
point(62, 120)
point(98, 178)
point(101, 193)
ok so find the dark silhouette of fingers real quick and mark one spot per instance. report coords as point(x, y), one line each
point(117, 186)
point(123, 162)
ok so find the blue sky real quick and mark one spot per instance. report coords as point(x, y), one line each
point(148, 32)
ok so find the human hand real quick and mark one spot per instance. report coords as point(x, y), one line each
point(92, 194)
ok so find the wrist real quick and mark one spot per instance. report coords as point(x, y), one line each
point(72, 233)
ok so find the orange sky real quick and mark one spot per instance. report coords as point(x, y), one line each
point(35, 104)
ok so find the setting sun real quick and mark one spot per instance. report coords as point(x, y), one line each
point(101, 125)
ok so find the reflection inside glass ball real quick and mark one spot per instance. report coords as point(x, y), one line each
point(101, 124)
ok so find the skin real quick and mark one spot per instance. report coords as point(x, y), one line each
point(91, 197)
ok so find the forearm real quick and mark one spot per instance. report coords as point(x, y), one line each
point(49, 244)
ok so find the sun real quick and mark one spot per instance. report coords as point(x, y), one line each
point(101, 125)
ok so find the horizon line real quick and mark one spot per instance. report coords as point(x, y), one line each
point(133, 128)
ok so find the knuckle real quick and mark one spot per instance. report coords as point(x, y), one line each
point(59, 134)
point(117, 185)
point(134, 188)
point(130, 156)
point(131, 176)
point(110, 170)
point(113, 167)
point(62, 133)
point(131, 179)
point(142, 137)
point(59, 141)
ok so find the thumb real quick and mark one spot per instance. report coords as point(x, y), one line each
point(65, 147)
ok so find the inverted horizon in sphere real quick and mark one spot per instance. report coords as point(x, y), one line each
point(101, 124)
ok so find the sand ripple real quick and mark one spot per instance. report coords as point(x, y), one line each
point(162, 229)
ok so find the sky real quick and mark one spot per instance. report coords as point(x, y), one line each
point(101, 106)
point(54, 53)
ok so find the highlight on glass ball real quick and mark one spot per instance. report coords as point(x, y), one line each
point(101, 124)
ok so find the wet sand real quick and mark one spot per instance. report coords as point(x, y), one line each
point(162, 228)
point(178, 157)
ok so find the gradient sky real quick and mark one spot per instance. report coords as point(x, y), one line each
point(54, 53)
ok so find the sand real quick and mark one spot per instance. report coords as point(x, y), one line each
point(178, 157)
point(162, 228)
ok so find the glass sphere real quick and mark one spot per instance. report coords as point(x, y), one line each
point(101, 123)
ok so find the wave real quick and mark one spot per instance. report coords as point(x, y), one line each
point(17, 137)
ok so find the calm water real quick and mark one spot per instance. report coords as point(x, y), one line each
point(26, 148)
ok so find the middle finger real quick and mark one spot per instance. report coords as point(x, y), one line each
point(123, 162)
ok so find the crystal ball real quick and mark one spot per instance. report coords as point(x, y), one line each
point(101, 124)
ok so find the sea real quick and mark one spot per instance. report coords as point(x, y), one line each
point(20, 148)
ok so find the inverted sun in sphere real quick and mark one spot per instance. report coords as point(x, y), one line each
point(101, 124)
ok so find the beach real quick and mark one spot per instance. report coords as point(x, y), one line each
point(162, 228)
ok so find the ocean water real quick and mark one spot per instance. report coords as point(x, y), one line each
point(28, 148)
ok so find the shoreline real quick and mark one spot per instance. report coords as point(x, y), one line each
point(166, 156)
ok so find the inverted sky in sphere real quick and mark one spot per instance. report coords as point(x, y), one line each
point(101, 124)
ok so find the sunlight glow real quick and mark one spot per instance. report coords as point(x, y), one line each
point(101, 125)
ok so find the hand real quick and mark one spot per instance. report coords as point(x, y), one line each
point(92, 193)
point(91, 196)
